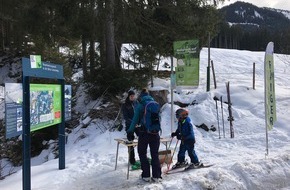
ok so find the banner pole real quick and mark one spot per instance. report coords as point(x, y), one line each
point(26, 166)
point(61, 130)
point(265, 97)
point(171, 94)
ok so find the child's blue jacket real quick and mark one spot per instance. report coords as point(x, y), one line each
point(185, 129)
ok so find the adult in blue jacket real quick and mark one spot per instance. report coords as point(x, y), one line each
point(184, 132)
point(145, 139)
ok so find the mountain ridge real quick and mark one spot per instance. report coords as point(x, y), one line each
point(245, 26)
point(246, 13)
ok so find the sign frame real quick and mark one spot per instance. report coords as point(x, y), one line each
point(53, 71)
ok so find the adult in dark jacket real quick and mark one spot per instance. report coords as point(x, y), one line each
point(185, 133)
point(128, 109)
point(145, 139)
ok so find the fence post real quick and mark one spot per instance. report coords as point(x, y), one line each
point(0, 168)
point(213, 73)
point(254, 74)
point(208, 66)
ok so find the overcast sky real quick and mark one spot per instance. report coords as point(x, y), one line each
point(277, 4)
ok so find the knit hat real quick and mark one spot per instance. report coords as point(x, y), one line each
point(131, 92)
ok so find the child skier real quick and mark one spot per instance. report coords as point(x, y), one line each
point(184, 132)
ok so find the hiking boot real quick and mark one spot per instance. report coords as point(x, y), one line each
point(158, 180)
point(146, 179)
point(179, 165)
point(128, 142)
point(195, 165)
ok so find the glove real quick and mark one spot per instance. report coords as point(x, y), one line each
point(173, 134)
point(178, 136)
point(130, 136)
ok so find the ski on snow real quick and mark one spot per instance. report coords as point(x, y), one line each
point(230, 118)
point(187, 168)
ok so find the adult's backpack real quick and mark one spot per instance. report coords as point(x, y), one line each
point(151, 117)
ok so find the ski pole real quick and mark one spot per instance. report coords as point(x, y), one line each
point(170, 143)
point(217, 116)
point(172, 155)
point(223, 116)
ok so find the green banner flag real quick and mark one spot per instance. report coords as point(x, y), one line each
point(270, 99)
point(187, 70)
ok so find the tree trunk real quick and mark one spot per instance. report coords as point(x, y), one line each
point(110, 39)
point(101, 33)
point(84, 62)
point(220, 40)
point(92, 56)
point(102, 48)
point(231, 42)
point(226, 41)
point(2, 35)
point(235, 42)
point(92, 38)
point(118, 55)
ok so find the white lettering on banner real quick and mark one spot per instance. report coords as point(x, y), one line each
point(186, 50)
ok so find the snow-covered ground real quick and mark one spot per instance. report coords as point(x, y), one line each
point(239, 163)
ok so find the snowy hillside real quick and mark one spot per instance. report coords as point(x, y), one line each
point(286, 13)
point(239, 163)
point(248, 14)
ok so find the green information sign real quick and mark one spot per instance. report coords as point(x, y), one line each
point(187, 70)
point(45, 105)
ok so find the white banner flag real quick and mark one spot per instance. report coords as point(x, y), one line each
point(270, 99)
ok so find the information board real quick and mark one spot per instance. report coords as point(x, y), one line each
point(187, 70)
point(13, 109)
point(45, 106)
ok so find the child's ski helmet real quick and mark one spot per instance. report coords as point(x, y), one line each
point(181, 113)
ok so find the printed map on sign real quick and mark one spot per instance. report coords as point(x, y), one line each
point(45, 105)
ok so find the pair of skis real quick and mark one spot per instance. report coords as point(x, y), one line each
point(187, 167)
point(230, 118)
